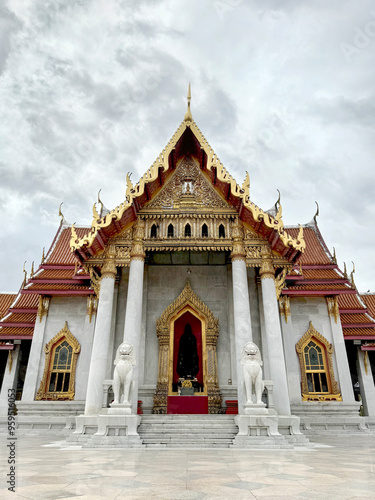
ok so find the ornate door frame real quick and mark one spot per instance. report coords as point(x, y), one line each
point(187, 301)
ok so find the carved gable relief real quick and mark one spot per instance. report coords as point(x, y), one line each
point(187, 184)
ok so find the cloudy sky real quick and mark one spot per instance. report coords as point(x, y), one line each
point(92, 89)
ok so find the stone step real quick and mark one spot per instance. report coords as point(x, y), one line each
point(187, 431)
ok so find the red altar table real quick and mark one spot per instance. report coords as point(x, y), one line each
point(187, 405)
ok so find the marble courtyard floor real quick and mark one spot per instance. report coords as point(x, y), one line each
point(335, 468)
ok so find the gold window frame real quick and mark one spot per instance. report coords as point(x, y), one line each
point(327, 348)
point(43, 393)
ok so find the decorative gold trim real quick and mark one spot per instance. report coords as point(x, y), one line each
point(187, 301)
point(266, 270)
point(284, 306)
point(43, 307)
point(137, 251)
point(333, 307)
point(94, 281)
point(92, 306)
point(43, 393)
point(280, 282)
point(365, 361)
point(223, 175)
point(11, 360)
point(334, 393)
point(238, 252)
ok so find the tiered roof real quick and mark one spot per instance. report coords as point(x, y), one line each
point(316, 272)
point(57, 275)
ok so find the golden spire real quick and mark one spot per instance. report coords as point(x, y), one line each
point(32, 270)
point(334, 256)
point(345, 271)
point(43, 256)
point(188, 116)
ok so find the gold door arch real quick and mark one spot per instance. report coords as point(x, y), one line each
point(187, 301)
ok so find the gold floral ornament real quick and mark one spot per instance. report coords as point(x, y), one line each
point(60, 367)
point(186, 383)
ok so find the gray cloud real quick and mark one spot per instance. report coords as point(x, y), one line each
point(90, 90)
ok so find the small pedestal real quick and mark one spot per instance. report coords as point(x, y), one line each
point(114, 427)
point(120, 409)
point(255, 409)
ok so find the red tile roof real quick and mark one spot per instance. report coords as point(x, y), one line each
point(60, 252)
point(316, 251)
point(6, 300)
point(369, 300)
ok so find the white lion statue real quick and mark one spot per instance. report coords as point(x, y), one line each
point(122, 376)
point(252, 369)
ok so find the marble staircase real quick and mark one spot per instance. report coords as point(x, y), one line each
point(187, 431)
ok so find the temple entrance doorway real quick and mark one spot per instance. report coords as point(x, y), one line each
point(187, 377)
point(187, 355)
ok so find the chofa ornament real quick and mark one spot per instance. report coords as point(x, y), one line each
point(252, 369)
point(122, 376)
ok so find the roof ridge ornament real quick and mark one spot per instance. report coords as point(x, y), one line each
point(60, 212)
point(188, 116)
point(317, 212)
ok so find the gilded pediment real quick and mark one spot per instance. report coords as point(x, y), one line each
point(188, 188)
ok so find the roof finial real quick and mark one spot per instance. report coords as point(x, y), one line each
point(334, 256)
point(278, 201)
point(25, 273)
point(317, 212)
point(60, 212)
point(352, 274)
point(188, 116)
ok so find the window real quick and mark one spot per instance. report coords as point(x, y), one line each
point(317, 376)
point(204, 231)
point(315, 370)
point(221, 231)
point(187, 231)
point(154, 231)
point(170, 231)
point(59, 368)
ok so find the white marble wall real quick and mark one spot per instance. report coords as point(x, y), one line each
point(366, 382)
point(314, 309)
point(165, 283)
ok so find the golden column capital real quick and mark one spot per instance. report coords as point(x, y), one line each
point(137, 251)
point(109, 269)
point(266, 270)
point(238, 251)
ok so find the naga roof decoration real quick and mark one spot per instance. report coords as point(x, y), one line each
point(158, 172)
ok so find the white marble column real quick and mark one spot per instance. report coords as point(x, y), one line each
point(266, 367)
point(83, 361)
point(293, 368)
point(10, 378)
point(343, 371)
point(99, 354)
point(30, 386)
point(366, 383)
point(274, 338)
point(134, 303)
point(241, 309)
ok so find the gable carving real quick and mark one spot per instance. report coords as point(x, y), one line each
point(187, 187)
